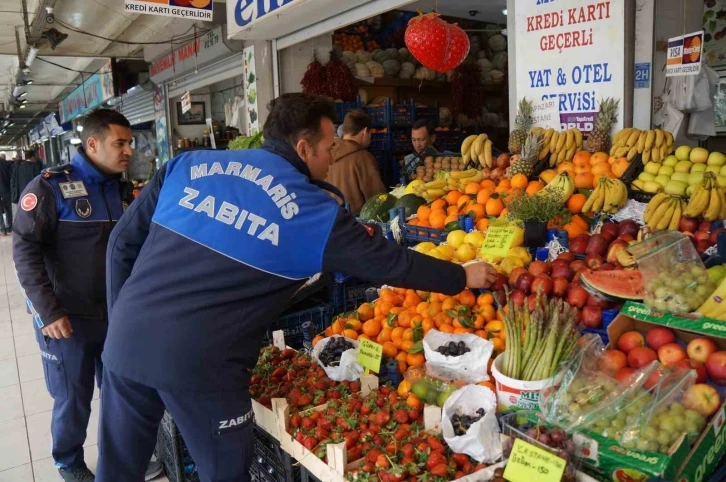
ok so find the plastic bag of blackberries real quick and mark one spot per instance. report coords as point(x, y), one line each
point(457, 357)
point(338, 356)
point(469, 423)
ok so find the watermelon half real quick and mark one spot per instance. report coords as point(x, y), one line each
point(615, 284)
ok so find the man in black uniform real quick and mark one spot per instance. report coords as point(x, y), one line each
point(6, 212)
point(205, 258)
point(62, 228)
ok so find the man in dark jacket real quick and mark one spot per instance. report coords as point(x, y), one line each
point(24, 172)
point(209, 253)
point(6, 212)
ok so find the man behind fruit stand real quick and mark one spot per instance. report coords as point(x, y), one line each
point(202, 263)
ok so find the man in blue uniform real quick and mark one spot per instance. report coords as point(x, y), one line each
point(199, 265)
point(64, 221)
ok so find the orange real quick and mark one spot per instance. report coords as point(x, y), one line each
point(488, 312)
point(565, 166)
point(402, 367)
point(434, 308)
point(602, 168)
point(519, 181)
point(350, 334)
point(337, 327)
point(353, 324)
point(363, 337)
point(384, 306)
point(412, 299)
point(597, 178)
point(365, 312)
point(446, 328)
point(488, 184)
point(494, 206)
point(482, 225)
point(438, 220)
point(329, 331)
point(389, 295)
point(372, 328)
point(582, 168)
point(413, 401)
point(404, 319)
point(576, 202)
point(462, 201)
point(462, 331)
point(498, 344)
point(408, 334)
point(422, 308)
point(598, 158)
point(584, 180)
point(448, 304)
point(472, 188)
point(385, 334)
point(495, 327)
point(415, 359)
point(467, 298)
point(452, 197)
point(548, 175)
point(534, 187)
point(481, 334)
point(439, 205)
point(581, 158)
point(573, 230)
point(579, 221)
point(317, 339)
point(620, 166)
point(452, 211)
point(423, 213)
point(503, 188)
point(489, 385)
point(389, 350)
point(406, 345)
point(413, 222)
point(478, 210)
point(428, 325)
point(451, 218)
point(397, 334)
point(404, 388)
point(506, 183)
point(483, 196)
point(485, 299)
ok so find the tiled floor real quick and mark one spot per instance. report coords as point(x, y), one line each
point(25, 406)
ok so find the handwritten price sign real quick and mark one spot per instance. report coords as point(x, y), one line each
point(370, 355)
point(527, 463)
point(498, 241)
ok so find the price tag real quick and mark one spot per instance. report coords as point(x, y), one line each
point(527, 463)
point(370, 355)
point(186, 102)
point(278, 339)
point(498, 240)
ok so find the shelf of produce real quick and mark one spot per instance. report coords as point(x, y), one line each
point(417, 84)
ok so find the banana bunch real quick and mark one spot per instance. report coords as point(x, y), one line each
point(560, 146)
point(715, 306)
point(477, 149)
point(664, 212)
point(654, 145)
point(562, 184)
point(431, 190)
point(457, 180)
point(708, 200)
point(609, 196)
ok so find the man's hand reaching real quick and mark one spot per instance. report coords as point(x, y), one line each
point(480, 275)
point(61, 328)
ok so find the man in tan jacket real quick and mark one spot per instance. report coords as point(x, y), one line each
point(355, 170)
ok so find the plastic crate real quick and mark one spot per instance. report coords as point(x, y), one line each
point(380, 114)
point(403, 114)
point(389, 169)
point(173, 453)
point(342, 109)
point(413, 235)
point(319, 315)
point(380, 141)
point(349, 295)
point(430, 114)
point(449, 140)
point(401, 141)
point(306, 476)
point(270, 462)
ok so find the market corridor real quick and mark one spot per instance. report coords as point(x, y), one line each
point(25, 406)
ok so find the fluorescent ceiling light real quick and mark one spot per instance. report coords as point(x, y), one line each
point(22, 106)
point(75, 141)
point(31, 56)
point(23, 95)
point(504, 11)
point(79, 128)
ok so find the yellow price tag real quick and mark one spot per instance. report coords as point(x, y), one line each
point(498, 241)
point(528, 463)
point(370, 355)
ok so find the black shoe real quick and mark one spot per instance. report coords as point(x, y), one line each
point(154, 470)
point(79, 473)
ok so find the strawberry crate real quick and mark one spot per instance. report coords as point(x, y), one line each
point(319, 314)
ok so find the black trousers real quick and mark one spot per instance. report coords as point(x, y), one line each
point(6, 213)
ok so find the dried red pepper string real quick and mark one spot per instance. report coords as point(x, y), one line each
point(315, 79)
point(341, 82)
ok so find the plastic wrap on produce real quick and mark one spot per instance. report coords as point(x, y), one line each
point(555, 248)
point(633, 210)
point(470, 367)
point(349, 369)
point(482, 440)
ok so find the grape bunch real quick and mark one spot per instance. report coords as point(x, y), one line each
point(462, 423)
point(453, 349)
point(333, 351)
point(553, 438)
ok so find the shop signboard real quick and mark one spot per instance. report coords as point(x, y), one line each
point(189, 9)
point(684, 55)
point(51, 123)
point(194, 55)
point(247, 12)
point(94, 91)
point(572, 51)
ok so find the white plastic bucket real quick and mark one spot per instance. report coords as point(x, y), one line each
point(516, 394)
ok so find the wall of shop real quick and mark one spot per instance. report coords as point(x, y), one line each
point(190, 131)
point(294, 61)
point(223, 92)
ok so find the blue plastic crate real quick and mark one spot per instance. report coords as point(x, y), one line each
point(401, 141)
point(449, 140)
point(430, 114)
point(342, 109)
point(380, 141)
point(380, 114)
point(291, 324)
point(349, 295)
point(387, 166)
point(403, 114)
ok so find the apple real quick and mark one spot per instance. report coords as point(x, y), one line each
point(640, 356)
point(532, 302)
point(628, 226)
point(716, 159)
point(705, 226)
point(612, 361)
point(579, 244)
point(713, 239)
point(524, 282)
point(499, 283)
point(702, 398)
point(592, 317)
point(518, 297)
point(671, 353)
point(670, 161)
point(560, 286)
point(701, 373)
point(543, 282)
point(607, 267)
point(576, 278)
point(630, 340)
point(716, 367)
point(598, 302)
point(577, 265)
point(562, 272)
point(654, 378)
point(515, 274)
point(699, 349)
point(567, 256)
point(594, 261)
point(610, 231)
point(577, 297)
point(597, 245)
point(689, 225)
point(628, 238)
point(702, 245)
point(659, 336)
point(623, 375)
point(500, 297)
point(539, 267)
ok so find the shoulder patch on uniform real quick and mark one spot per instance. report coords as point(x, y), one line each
point(83, 208)
point(55, 170)
point(29, 202)
point(369, 229)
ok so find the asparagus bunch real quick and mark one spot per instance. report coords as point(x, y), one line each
point(537, 341)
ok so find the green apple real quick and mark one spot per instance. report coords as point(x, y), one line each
point(723, 171)
point(683, 166)
point(716, 159)
point(690, 189)
point(695, 178)
point(665, 170)
point(646, 176)
point(638, 184)
point(662, 180)
point(683, 153)
point(699, 155)
point(713, 169)
point(698, 168)
point(652, 187)
point(651, 168)
point(721, 180)
point(676, 188)
point(680, 176)
point(670, 161)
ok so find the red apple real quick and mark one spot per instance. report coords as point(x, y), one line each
point(671, 353)
point(592, 317)
point(607, 267)
point(539, 267)
point(689, 225)
point(576, 278)
point(699, 349)
point(532, 301)
point(544, 283)
point(577, 297)
point(628, 227)
point(630, 340)
point(705, 226)
point(701, 373)
point(659, 336)
point(716, 367)
point(577, 265)
point(594, 261)
point(524, 282)
point(701, 235)
point(612, 361)
point(640, 356)
point(597, 302)
point(597, 245)
point(610, 231)
point(654, 378)
point(518, 297)
point(566, 256)
point(499, 283)
point(713, 239)
point(514, 275)
point(562, 272)
point(623, 375)
point(702, 245)
point(560, 286)
point(579, 243)
point(628, 238)
point(500, 297)
point(702, 398)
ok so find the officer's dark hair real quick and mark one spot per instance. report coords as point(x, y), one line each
point(355, 121)
point(29, 153)
point(297, 116)
point(430, 129)
point(96, 124)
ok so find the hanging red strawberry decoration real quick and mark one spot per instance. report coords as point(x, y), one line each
point(437, 44)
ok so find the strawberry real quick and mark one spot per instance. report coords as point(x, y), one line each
point(437, 44)
point(372, 456)
point(382, 462)
point(308, 423)
point(400, 416)
point(435, 459)
point(440, 470)
point(296, 420)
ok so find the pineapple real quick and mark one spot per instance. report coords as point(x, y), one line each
point(523, 122)
point(524, 163)
point(599, 140)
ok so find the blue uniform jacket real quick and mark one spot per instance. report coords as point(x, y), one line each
point(64, 220)
point(211, 252)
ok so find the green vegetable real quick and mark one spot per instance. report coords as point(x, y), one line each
point(252, 96)
point(245, 142)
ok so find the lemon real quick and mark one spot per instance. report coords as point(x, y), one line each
point(475, 238)
point(518, 236)
point(446, 250)
point(455, 238)
point(465, 252)
point(425, 247)
point(435, 253)
point(521, 253)
point(491, 259)
point(511, 262)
